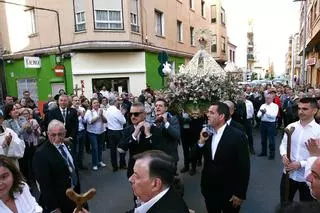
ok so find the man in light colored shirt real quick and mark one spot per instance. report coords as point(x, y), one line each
point(268, 113)
point(305, 129)
point(249, 122)
point(116, 120)
point(151, 183)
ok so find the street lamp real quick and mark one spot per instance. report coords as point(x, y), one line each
point(303, 71)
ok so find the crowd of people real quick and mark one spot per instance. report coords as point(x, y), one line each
point(48, 148)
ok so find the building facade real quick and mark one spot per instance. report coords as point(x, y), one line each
point(113, 43)
point(293, 60)
point(311, 74)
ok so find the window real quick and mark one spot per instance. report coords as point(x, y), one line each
point(202, 8)
point(213, 14)
point(192, 36)
point(134, 16)
point(233, 56)
point(107, 14)
point(80, 21)
point(108, 19)
point(159, 23)
point(315, 11)
point(191, 4)
point(31, 22)
point(223, 44)
point(230, 55)
point(179, 31)
point(223, 16)
point(214, 44)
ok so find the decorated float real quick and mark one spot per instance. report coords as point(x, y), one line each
point(200, 82)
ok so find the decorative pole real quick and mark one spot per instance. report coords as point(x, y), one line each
point(289, 133)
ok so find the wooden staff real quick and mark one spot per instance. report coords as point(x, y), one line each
point(289, 133)
point(80, 199)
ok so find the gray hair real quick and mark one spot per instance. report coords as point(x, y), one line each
point(55, 123)
point(112, 101)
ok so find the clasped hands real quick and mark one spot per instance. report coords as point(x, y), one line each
point(146, 126)
point(290, 165)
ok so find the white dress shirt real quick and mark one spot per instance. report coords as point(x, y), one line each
point(146, 206)
point(81, 119)
point(216, 139)
point(115, 118)
point(250, 109)
point(96, 127)
point(271, 112)
point(299, 151)
point(25, 202)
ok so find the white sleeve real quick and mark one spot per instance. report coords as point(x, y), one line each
point(16, 147)
point(283, 145)
point(259, 114)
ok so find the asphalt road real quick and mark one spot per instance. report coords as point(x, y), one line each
point(114, 192)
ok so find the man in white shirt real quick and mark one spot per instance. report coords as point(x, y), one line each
point(305, 129)
point(249, 122)
point(104, 92)
point(152, 184)
point(268, 113)
point(116, 120)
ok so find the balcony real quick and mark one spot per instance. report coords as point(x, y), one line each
point(250, 57)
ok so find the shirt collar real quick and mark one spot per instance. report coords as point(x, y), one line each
point(147, 205)
point(221, 129)
point(311, 123)
point(229, 121)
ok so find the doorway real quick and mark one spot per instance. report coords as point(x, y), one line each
point(112, 84)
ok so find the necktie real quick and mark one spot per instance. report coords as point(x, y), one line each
point(64, 115)
point(73, 174)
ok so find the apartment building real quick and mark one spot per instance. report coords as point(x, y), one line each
point(113, 43)
point(312, 68)
point(293, 60)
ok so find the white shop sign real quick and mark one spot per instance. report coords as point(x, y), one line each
point(32, 62)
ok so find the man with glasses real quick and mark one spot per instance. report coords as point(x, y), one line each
point(55, 171)
point(137, 136)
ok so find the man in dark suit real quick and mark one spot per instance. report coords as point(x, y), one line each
point(55, 171)
point(226, 169)
point(152, 184)
point(137, 136)
point(165, 131)
point(230, 120)
point(69, 117)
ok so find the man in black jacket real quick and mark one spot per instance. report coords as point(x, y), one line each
point(55, 171)
point(226, 170)
point(137, 136)
point(152, 184)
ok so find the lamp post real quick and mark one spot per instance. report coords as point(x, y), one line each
point(303, 72)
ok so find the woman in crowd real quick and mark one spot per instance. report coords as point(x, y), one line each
point(95, 119)
point(15, 195)
point(149, 108)
point(13, 120)
point(31, 138)
point(10, 144)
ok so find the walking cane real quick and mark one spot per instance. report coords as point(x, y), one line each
point(289, 134)
point(80, 199)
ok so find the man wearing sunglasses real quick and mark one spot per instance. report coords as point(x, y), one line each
point(137, 136)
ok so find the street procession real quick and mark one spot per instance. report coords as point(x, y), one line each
point(149, 106)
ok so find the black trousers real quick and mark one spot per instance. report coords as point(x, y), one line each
point(187, 145)
point(215, 205)
point(294, 186)
point(248, 128)
point(114, 138)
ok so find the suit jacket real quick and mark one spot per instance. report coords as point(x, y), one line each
point(167, 139)
point(169, 203)
point(228, 173)
point(71, 124)
point(134, 146)
point(53, 175)
point(237, 125)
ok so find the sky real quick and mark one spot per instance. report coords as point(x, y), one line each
point(274, 21)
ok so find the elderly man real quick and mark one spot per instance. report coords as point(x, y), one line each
point(137, 136)
point(55, 171)
point(314, 179)
point(151, 183)
point(116, 120)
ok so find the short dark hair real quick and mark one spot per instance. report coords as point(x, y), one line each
point(312, 101)
point(163, 100)
point(17, 185)
point(161, 165)
point(7, 109)
point(299, 207)
point(222, 108)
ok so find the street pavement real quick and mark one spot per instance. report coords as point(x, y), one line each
point(114, 193)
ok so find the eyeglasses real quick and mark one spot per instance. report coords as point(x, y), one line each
point(135, 114)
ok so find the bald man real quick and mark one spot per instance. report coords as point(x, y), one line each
point(314, 179)
point(230, 121)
